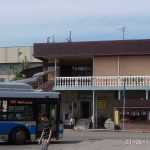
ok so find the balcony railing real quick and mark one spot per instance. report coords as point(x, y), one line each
point(132, 82)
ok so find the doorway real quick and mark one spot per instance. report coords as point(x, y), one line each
point(85, 109)
point(45, 108)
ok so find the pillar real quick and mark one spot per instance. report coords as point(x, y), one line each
point(93, 114)
point(119, 95)
point(118, 65)
point(55, 73)
point(147, 96)
point(148, 116)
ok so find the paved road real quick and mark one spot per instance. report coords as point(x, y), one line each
point(101, 135)
point(74, 140)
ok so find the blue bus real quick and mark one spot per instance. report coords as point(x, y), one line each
point(21, 108)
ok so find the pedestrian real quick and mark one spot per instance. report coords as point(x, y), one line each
point(46, 134)
point(72, 122)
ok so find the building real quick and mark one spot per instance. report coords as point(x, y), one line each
point(97, 77)
point(12, 58)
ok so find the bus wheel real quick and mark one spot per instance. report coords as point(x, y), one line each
point(18, 136)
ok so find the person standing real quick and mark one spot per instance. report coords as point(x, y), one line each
point(72, 122)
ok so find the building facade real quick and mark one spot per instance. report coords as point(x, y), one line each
point(96, 78)
point(11, 59)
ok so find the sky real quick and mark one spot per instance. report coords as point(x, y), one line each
point(24, 22)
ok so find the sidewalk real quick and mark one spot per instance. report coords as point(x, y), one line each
point(127, 130)
point(143, 127)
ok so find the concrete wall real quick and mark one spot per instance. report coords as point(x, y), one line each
point(11, 59)
point(17, 54)
point(124, 65)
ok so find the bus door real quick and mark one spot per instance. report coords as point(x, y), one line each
point(45, 108)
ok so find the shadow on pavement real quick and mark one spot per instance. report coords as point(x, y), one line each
point(68, 142)
point(35, 143)
point(28, 143)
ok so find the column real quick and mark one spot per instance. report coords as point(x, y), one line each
point(119, 95)
point(148, 116)
point(55, 73)
point(93, 114)
point(147, 96)
point(45, 65)
point(118, 66)
point(93, 65)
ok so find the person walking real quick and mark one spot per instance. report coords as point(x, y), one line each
point(46, 134)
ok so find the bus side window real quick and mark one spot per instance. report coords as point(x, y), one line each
point(4, 106)
point(3, 110)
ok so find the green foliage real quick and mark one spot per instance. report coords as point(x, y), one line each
point(18, 71)
point(18, 76)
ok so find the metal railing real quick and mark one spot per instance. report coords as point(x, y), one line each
point(103, 81)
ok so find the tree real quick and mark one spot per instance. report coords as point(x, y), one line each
point(18, 71)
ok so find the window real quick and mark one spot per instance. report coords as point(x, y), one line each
point(2, 79)
point(16, 110)
point(3, 110)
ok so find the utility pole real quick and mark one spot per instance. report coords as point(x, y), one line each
point(53, 38)
point(69, 39)
point(48, 39)
point(123, 32)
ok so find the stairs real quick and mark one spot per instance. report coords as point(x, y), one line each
point(46, 86)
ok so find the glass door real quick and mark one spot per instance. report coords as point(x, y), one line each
point(50, 109)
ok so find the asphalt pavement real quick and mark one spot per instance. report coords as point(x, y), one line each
point(92, 140)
